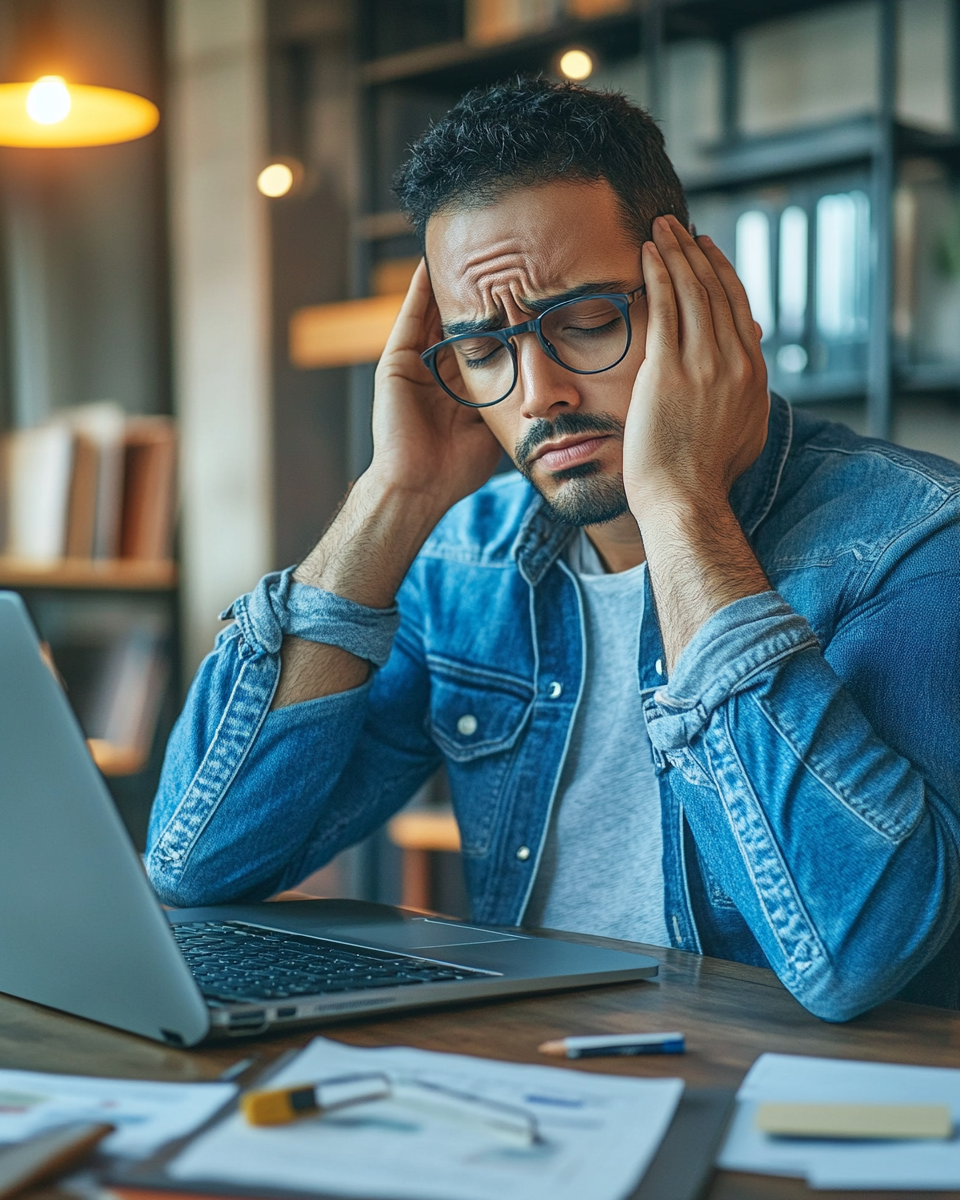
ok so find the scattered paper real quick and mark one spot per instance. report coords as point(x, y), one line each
point(897, 1165)
point(599, 1133)
point(146, 1114)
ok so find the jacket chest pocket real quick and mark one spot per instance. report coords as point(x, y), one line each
point(474, 712)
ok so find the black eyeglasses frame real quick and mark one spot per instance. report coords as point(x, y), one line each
point(622, 300)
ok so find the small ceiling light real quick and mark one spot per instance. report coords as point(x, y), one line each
point(576, 64)
point(52, 113)
point(276, 179)
point(48, 101)
point(281, 177)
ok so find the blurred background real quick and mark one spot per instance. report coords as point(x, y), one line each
point(189, 318)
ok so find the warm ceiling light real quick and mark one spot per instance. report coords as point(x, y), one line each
point(275, 180)
point(576, 64)
point(52, 113)
point(48, 101)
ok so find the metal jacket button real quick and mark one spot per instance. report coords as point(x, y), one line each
point(555, 690)
point(523, 853)
point(467, 724)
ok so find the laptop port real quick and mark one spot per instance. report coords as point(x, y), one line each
point(255, 1019)
point(286, 1012)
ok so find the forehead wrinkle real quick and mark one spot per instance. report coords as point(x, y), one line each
point(496, 274)
point(498, 256)
point(495, 284)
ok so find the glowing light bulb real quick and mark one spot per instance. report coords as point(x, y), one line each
point(576, 64)
point(275, 180)
point(48, 101)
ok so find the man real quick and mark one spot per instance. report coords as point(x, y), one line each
point(693, 673)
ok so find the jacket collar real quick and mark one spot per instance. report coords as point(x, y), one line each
point(541, 538)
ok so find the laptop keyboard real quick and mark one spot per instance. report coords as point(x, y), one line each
point(236, 962)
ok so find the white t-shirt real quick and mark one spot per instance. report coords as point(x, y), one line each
point(601, 871)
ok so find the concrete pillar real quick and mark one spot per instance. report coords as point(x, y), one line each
point(216, 131)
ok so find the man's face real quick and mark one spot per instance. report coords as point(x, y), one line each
point(509, 260)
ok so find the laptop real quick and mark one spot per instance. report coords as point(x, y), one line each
point(81, 929)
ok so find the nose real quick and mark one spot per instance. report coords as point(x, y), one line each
point(543, 385)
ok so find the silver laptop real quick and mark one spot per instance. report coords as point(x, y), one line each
point(81, 929)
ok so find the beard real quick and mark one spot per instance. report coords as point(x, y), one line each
point(585, 496)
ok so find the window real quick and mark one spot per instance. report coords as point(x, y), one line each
point(753, 265)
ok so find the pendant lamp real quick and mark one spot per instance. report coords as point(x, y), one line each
point(53, 113)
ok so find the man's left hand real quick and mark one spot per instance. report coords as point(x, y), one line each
point(697, 421)
point(698, 415)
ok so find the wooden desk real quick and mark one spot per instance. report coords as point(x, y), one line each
point(730, 1014)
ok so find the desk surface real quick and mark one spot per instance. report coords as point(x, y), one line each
point(730, 1014)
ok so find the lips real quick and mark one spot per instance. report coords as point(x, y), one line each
point(570, 451)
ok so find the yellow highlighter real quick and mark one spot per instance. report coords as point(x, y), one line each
point(283, 1105)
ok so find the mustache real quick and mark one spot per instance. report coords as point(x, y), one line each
point(565, 425)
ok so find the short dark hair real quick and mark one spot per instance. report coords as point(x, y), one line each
point(535, 130)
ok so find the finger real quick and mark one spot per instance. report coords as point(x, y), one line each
point(697, 332)
point(723, 320)
point(418, 318)
point(663, 325)
point(747, 328)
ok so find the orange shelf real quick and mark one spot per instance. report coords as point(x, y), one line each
point(122, 574)
point(116, 760)
point(341, 335)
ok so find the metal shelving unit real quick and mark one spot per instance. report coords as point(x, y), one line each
point(871, 143)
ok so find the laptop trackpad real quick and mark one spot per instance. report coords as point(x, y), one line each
point(421, 933)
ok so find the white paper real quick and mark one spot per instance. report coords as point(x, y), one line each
point(599, 1132)
point(830, 1164)
point(146, 1114)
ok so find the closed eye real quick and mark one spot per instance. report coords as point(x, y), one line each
point(475, 355)
point(607, 328)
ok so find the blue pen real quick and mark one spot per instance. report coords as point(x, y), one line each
point(615, 1043)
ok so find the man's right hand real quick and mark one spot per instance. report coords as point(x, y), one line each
point(429, 452)
point(423, 441)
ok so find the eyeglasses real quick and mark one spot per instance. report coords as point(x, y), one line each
point(587, 336)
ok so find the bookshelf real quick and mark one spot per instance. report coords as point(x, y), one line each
point(88, 499)
point(85, 373)
point(398, 91)
point(54, 582)
point(116, 575)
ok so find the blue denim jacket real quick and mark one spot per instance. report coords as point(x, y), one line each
point(807, 743)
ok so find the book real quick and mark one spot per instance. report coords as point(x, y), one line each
point(149, 480)
point(82, 504)
point(127, 704)
point(39, 462)
point(103, 423)
point(89, 484)
point(112, 657)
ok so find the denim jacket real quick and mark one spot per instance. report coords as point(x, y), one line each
point(806, 744)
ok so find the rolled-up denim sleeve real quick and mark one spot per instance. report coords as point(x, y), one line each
point(244, 790)
point(817, 781)
point(738, 642)
point(279, 606)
